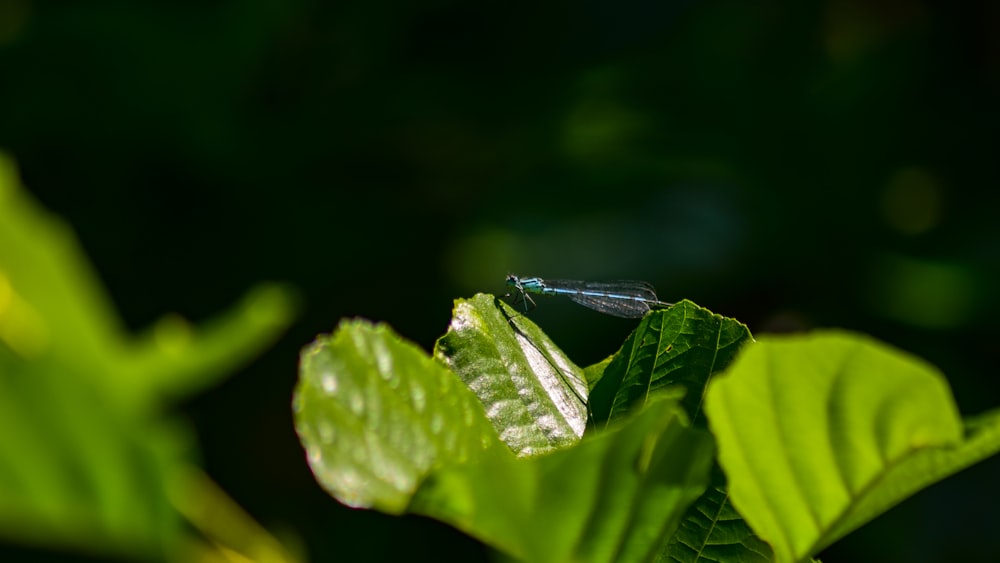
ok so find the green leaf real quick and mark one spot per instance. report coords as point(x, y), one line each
point(595, 372)
point(534, 395)
point(712, 530)
point(818, 434)
point(377, 415)
point(614, 497)
point(683, 345)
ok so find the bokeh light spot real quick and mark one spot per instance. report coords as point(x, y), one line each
point(925, 293)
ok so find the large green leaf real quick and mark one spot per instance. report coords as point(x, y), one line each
point(818, 434)
point(534, 395)
point(683, 345)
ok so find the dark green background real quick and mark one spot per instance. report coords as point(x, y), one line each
point(787, 163)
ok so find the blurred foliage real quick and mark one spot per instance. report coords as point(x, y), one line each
point(793, 164)
point(90, 459)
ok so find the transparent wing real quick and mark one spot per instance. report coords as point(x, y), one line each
point(627, 308)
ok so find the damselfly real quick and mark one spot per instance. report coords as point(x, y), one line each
point(629, 299)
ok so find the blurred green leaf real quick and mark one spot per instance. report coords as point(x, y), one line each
point(534, 395)
point(177, 359)
point(85, 451)
point(376, 416)
point(45, 276)
point(818, 434)
point(683, 345)
point(75, 472)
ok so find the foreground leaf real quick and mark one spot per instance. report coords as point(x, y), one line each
point(534, 395)
point(614, 497)
point(819, 434)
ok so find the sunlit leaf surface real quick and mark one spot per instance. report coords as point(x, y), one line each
point(820, 433)
point(533, 394)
